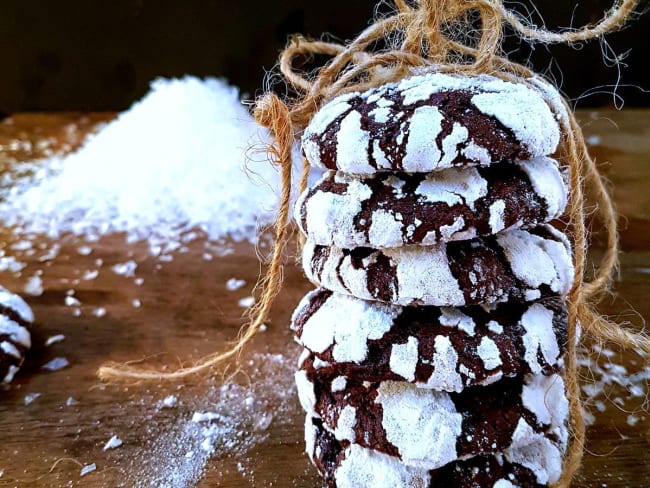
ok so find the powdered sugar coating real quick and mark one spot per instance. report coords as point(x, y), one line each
point(15, 339)
point(522, 248)
point(392, 210)
point(445, 349)
point(552, 97)
point(428, 429)
point(542, 457)
point(404, 359)
point(514, 265)
point(429, 122)
point(14, 302)
point(347, 344)
point(305, 389)
point(412, 414)
point(354, 466)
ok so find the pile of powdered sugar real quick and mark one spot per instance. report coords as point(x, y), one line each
point(174, 163)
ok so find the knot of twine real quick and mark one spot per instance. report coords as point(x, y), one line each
point(458, 36)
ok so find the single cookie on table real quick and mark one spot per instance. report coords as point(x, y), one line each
point(440, 348)
point(513, 265)
point(429, 122)
point(398, 209)
point(427, 428)
point(15, 340)
point(345, 465)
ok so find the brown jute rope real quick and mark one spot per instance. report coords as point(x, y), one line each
point(439, 35)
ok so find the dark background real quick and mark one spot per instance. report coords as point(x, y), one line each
point(101, 55)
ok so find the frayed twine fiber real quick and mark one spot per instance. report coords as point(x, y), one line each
point(442, 36)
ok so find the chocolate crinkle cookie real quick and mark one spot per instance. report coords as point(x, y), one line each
point(398, 209)
point(346, 465)
point(15, 340)
point(429, 429)
point(430, 122)
point(513, 265)
point(440, 348)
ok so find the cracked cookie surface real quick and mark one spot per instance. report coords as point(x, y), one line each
point(513, 265)
point(429, 122)
point(398, 209)
point(440, 348)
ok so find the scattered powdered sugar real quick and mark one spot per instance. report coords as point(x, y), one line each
point(34, 286)
point(594, 140)
point(246, 302)
point(218, 426)
point(609, 381)
point(89, 468)
point(234, 284)
point(71, 301)
point(56, 364)
point(113, 443)
point(172, 163)
point(30, 397)
point(54, 339)
point(170, 401)
point(70, 402)
point(126, 269)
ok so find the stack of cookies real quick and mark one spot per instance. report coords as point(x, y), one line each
point(434, 344)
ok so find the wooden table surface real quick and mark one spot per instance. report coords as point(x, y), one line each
point(186, 310)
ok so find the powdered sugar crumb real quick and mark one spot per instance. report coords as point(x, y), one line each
point(87, 469)
point(170, 401)
point(246, 302)
point(113, 443)
point(54, 339)
point(126, 269)
point(34, 286)
point(234, 284)
point(56, 364)
point(30, 397)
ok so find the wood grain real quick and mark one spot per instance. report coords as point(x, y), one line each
point(186, 311)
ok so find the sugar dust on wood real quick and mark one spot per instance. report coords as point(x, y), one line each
point(222, 423)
